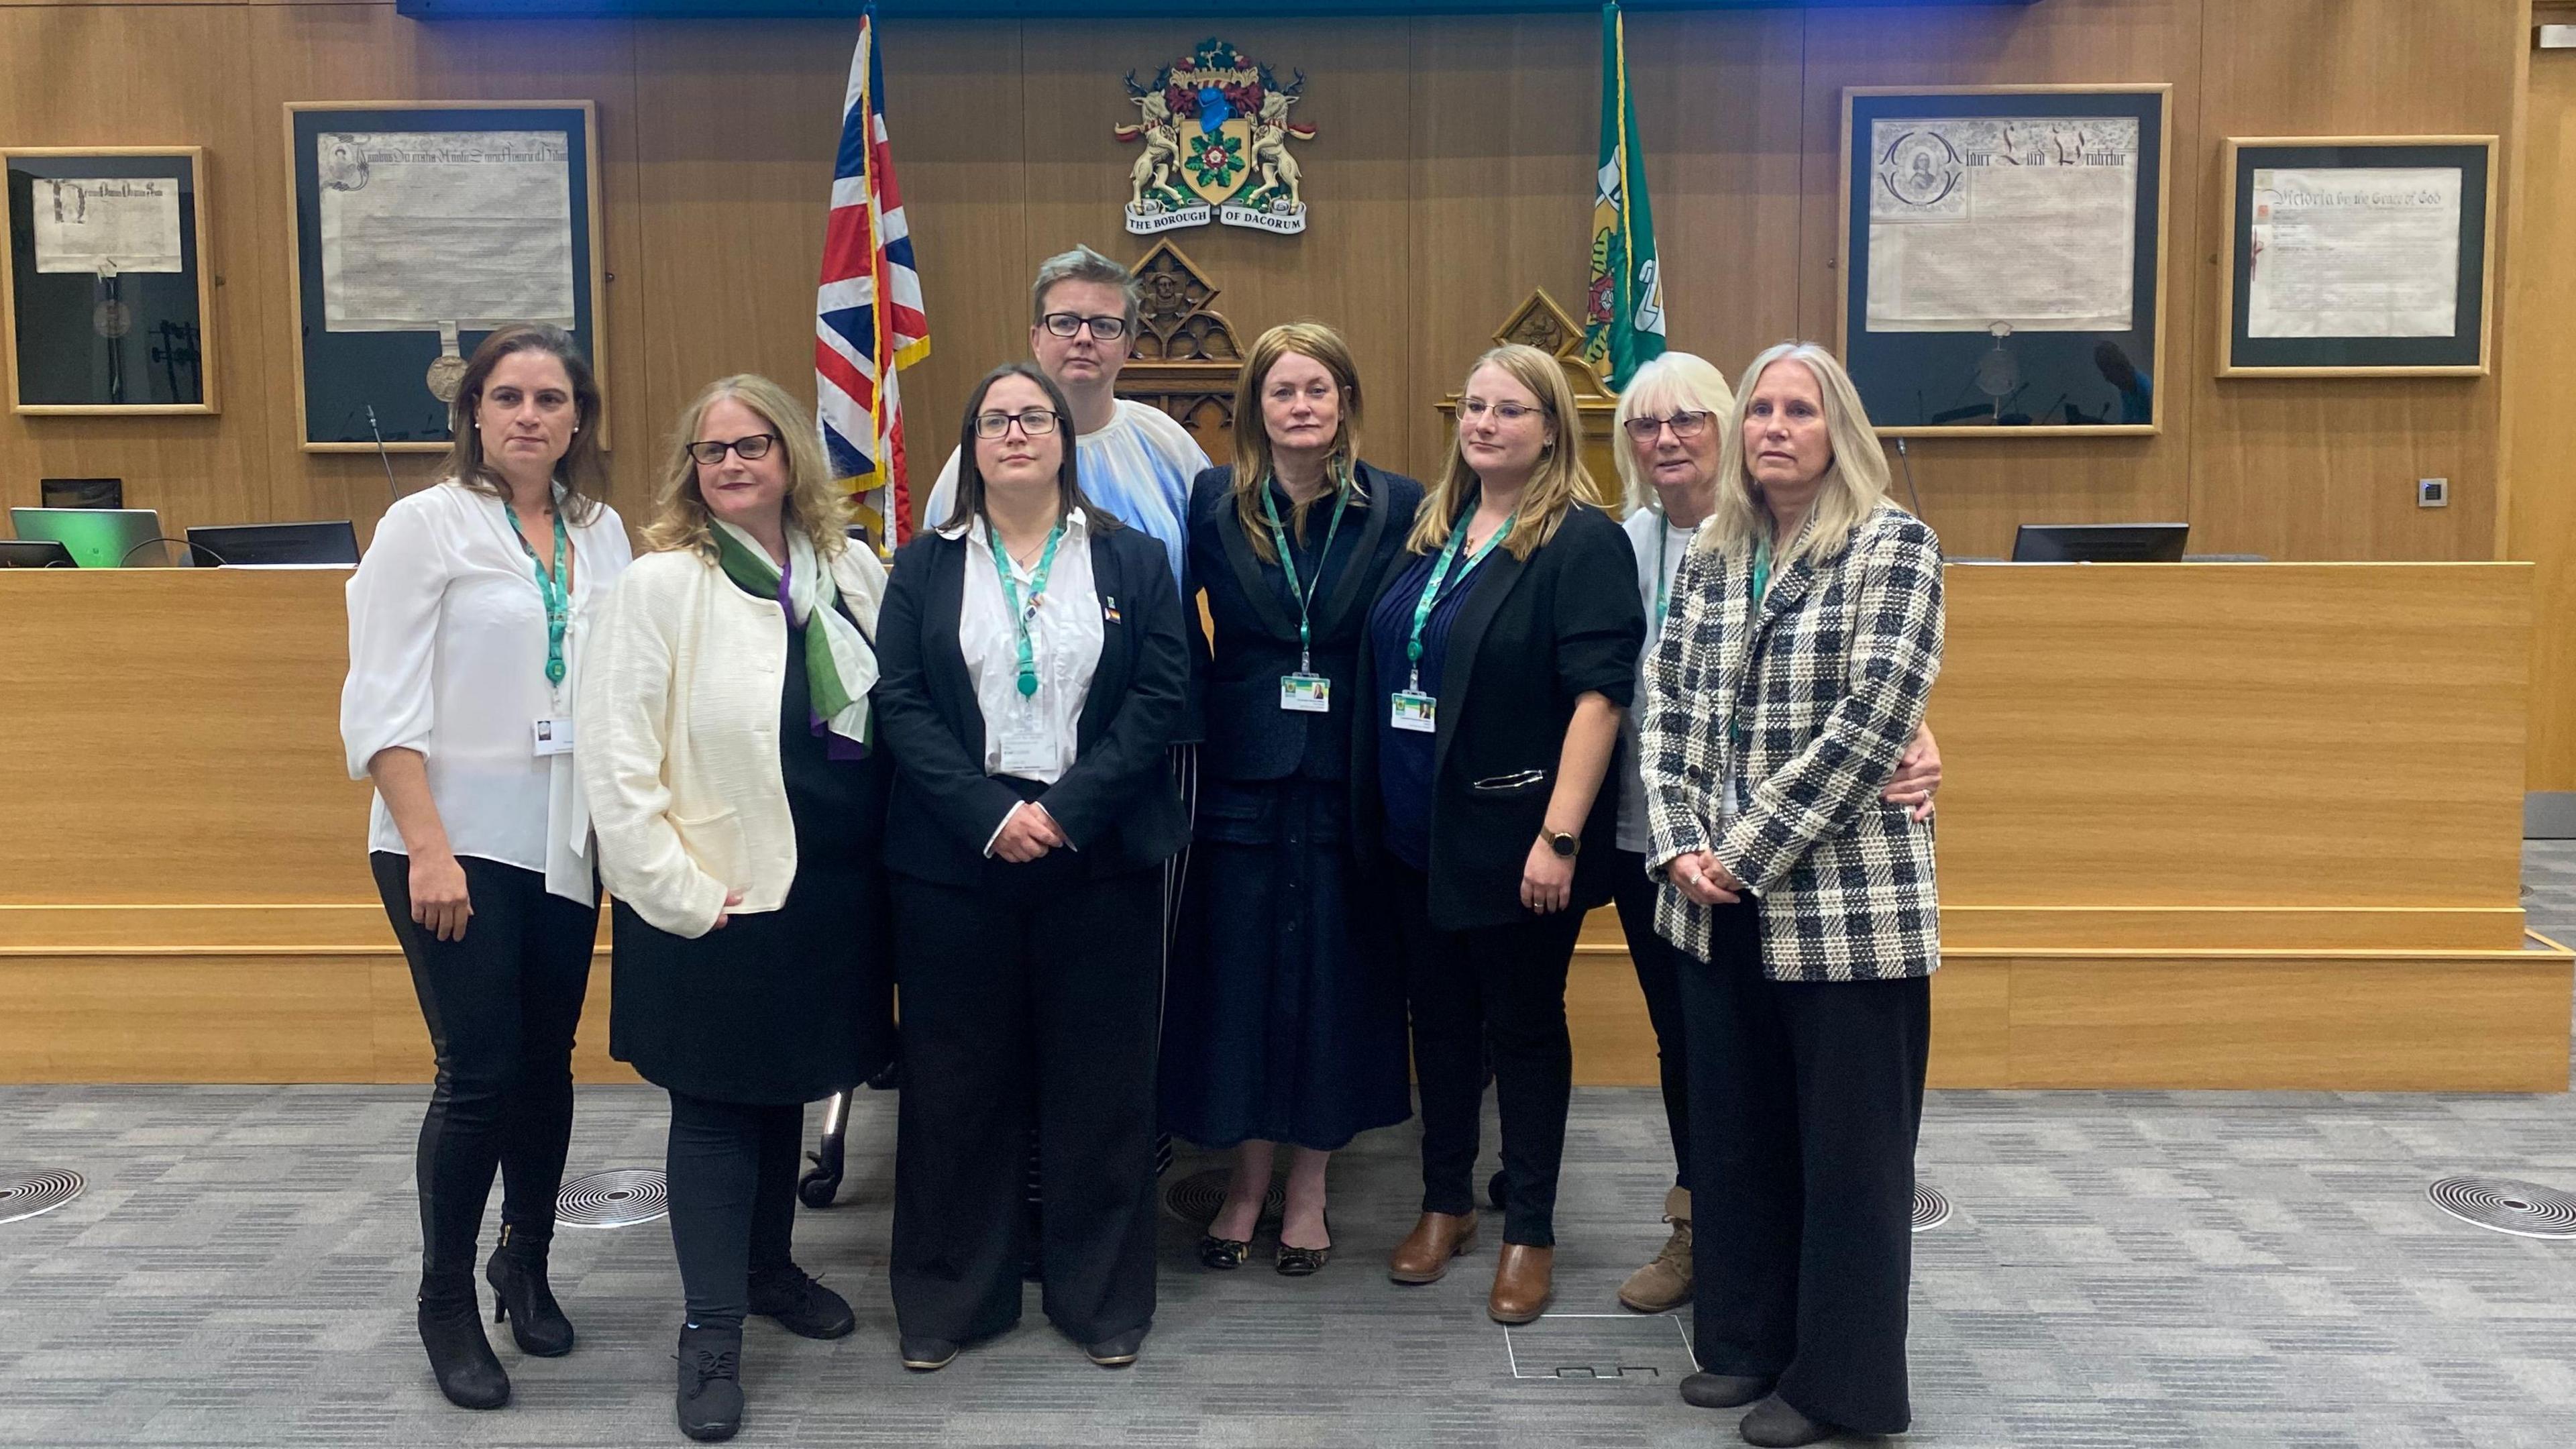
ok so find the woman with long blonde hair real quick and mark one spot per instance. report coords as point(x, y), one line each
point(1498, 666)
point(1805, 637)
point(729, 754)
point(1293, 1033)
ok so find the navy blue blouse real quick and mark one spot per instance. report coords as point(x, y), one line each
point(1404, 756)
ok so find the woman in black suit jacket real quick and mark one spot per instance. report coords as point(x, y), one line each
point(1497, 668)
point(1283, 1026)
point(1034, 669)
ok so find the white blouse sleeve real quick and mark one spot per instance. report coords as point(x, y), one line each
point(624, 705)
point(387, 701)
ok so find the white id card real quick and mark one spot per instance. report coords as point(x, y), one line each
point(1411, 709)
point(1730, 806)
point(553, 736)
point(1306, 693)
point(1025, 746)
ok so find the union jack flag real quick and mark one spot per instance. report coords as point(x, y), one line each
point(868, 321)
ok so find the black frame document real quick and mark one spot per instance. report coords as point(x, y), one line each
point(2376, 256)
point(407, 212)
point(2003, 258)
point(105, 295)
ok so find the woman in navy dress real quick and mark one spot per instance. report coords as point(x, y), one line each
point(1281, 1025)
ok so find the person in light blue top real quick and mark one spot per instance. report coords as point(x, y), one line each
point(1137, 463)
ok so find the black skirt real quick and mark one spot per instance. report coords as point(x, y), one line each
point(1280, 1024)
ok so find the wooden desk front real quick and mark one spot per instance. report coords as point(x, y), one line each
point(2205, 825)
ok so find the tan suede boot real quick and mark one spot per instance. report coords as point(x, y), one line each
point(1666, 1282)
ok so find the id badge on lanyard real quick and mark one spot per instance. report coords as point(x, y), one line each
point(1024, 742)
point(1411, 709)
point(553, 735)
point(1306, 693)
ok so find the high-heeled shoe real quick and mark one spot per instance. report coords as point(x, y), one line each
point(517, 1274)
point(451, 1329)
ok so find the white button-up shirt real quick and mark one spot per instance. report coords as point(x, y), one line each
point(1065, 636)
point(447, 656)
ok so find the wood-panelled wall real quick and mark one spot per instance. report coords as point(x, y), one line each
point(2540, 352)
point(1451, 173)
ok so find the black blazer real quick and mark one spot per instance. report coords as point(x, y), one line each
point(1249, 737)
point(1117, 804)
point(1532, 636)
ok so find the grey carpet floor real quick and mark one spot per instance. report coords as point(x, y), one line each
point(2148, 1269)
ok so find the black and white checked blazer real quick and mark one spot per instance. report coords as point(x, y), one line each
point(1832, 679)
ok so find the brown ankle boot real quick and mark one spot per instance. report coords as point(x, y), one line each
point(1424, 1254)
point(1666, 1282)
point(1524, 1281)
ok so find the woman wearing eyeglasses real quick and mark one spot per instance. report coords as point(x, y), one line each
point(1497, 667)
point(1670, 420)
point(728, 755)
point(1034, 673)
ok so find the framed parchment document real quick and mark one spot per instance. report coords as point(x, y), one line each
point(420, 228)
point(2357, 256)
point(2003, 258)
point(105, 296)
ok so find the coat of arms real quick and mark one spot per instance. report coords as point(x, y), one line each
point(1215, 130)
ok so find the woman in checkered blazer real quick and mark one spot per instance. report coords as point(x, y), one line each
point(1804, 637)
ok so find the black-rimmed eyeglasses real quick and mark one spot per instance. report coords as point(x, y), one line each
point(751, 449)
point(1035, 422)
point(1067, 324)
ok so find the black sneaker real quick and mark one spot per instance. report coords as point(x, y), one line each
point(801, 1305)
point(710, 1388)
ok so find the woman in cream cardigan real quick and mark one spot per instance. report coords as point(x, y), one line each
point(727, 753)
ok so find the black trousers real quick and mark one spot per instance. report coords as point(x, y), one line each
point(502, 1005)
point(1037, 993)
point(733, 1168)
point(1806, 1098)
point(1659, 965)
point(1497, 988)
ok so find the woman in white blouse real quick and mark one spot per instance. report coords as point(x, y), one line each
point(466, 624)
point(727, 754)
point(1034, 670)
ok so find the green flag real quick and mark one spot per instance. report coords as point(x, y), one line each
point(1623, 316)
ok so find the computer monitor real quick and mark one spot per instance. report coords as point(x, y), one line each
point(276, 545)
point(2099, 542)
point(34, 554)
point(99, 538)
point(83, 492)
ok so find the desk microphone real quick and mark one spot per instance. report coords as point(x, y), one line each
point(1908, 462)
point(391, 487)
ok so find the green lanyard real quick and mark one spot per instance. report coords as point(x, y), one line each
point(1663, 580)
point(555, 590)
point(1430, 599)
point(1305, 595)
point(1011, 597)
point(1752, 625)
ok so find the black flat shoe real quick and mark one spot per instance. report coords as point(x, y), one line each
point(1295, 1262)
point(1724, 1391)
point(709, 1401)
point(801, 1305)
point(927, 1355)
point(1774, 1424)
point(1226, 1253)
point(1118, 1350)
point(460, 1355)
point(522, 1299)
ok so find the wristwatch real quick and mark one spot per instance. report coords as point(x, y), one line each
point(1563, 844)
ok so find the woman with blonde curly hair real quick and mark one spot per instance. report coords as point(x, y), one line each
point(728, 755)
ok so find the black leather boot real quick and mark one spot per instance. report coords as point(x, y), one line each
point(517, 1274)
point(710, 1394)
point(451, 1329)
